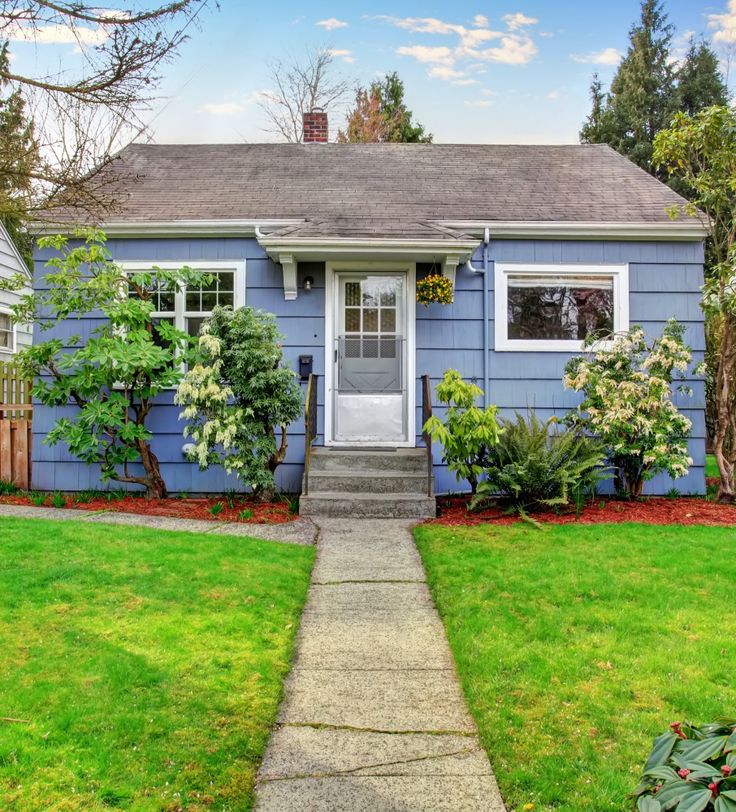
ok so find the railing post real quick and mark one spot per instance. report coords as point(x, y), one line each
point(310, 426)
point(426, 414)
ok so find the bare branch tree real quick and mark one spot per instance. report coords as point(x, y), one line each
point(298, 88)
point(82, 117)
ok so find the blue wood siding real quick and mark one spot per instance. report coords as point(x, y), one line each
point(664, 282)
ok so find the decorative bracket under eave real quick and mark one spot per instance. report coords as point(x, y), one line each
point(449, 267)
point(288, 267)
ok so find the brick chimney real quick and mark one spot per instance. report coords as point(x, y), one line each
point(315, 126)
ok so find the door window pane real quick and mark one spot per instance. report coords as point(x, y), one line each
point(559, 307)
point(352, 320)
point(370, 321)
point(352, 294)
point(388, 320)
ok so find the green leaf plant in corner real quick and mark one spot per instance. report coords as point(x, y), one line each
point(691, 769)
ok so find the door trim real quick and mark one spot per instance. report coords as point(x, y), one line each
point(331, 292)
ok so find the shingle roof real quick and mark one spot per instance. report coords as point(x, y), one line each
point(368, 190)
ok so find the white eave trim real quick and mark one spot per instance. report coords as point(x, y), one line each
point(14, 250)
point(172, 228)
point(690, 229)
point(337, 245)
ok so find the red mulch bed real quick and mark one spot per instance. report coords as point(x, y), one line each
point(453, 511)
point(190, 508)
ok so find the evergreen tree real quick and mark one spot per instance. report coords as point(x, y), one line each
point(381, 115)
point(597, 128)
point(643, 99)
point(18, 157)
point(700, 83)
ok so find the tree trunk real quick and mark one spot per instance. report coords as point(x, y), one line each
point(724, 441)
point(155, 485)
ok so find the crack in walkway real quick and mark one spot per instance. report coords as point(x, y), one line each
point(377, 766)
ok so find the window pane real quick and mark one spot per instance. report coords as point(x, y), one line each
point(559, 307)
point(225, 281)
point(209, 301)
point(225, 299)
point(193, 300)
point(388, 298)
point(166, 300)
point(211, 283)
point(370, 321)
point(352, 320)
point(194, 325)
point(388, 321)
point(352, 294)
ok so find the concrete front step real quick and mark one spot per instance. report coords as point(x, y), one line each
point(394, 460)
point(339, 504)
point(368, 482)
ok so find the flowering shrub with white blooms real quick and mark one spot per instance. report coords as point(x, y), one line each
point(627, 403)
point(238, 395)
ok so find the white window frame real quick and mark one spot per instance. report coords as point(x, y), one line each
point(180, 314)
point(502, 271)
point(13, 332)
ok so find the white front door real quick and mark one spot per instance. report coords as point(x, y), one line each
point(370, 385)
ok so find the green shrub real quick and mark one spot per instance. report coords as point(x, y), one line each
point(628, 403)
point(217, 508)
point(692, 768)
point(58, 500)
point(8, 488)
point(38, 499)
point(469, 431)
point(245, 514)
point(535, 466)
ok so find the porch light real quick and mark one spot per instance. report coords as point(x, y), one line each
point(308, 282)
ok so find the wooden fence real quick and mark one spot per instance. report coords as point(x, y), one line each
point(16, 435)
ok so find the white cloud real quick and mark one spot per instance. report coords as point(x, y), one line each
point(56, 35)
point(332, 23)
point(472, 50)
point(518, 21)
point(342, 53)
point(554, 95)
point(479, 103)
point(546, 34)
point(465, 82)
point(440, 54)
point(606, 56)
point(445, 72)
point(724, 25)
point(222, 108)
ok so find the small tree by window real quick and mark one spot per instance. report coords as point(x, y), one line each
point(627, 403)
point(240, 397)
point(123, 365)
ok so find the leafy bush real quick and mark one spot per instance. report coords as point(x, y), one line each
point(239, 395)
point(534, 466)
point(691, 768)
point(627, 404)
point(117, 372)
point(469, 431)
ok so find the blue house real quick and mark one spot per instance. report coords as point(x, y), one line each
point(544, 244)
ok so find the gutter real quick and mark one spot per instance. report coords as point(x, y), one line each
point(685, 229)
point(486, 326)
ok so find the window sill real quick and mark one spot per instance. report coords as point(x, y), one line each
point(572, 347)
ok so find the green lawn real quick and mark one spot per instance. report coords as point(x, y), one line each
point(576, 645)
point(711, 467)
point(148, 665)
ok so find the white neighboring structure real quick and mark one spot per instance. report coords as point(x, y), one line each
point(13, 337)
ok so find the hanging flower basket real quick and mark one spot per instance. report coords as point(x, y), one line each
point(435, 288)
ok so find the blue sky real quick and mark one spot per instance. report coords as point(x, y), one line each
point(506, 71)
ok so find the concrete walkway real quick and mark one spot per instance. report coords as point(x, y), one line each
point(300, 531)
point(373, 717)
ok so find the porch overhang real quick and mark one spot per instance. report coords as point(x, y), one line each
point(289, 252)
